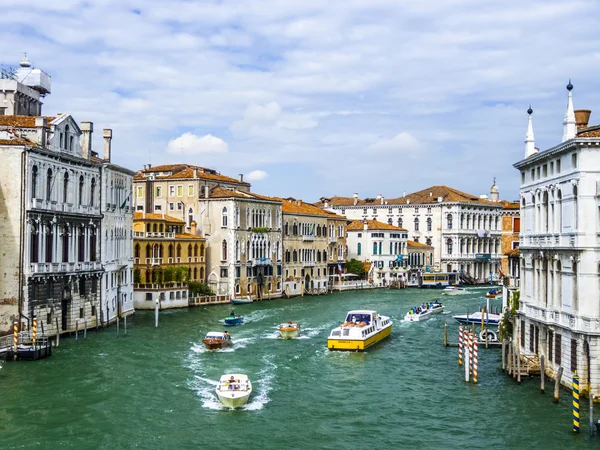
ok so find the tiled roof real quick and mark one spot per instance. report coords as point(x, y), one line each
point(293, 206)
point(589, 132)
point(221, 192)
point(358, 225)
point(185, 172)
point(418, 245)
point(510, 205)
point(425, 196)
point(153, 216)
point(16, 141)
point(22, 121)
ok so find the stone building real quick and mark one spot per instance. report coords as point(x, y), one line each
point(464, 229)
point(166, 258)
point(243, 233)
point(381, 244)
point(559, 312)
point(175, 189)
point(511, 226)
point(336, 240)
point(305, 246)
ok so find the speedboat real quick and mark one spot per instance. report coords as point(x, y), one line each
point(420, 314)
point(216, 339)
point(241, 300)
point(233, 320)
point(289, 330)
point(453, 290)
point(489, 318)
point(360, 330)
point(492, 293)
point(234, 389)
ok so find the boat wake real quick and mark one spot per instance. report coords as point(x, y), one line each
point(260, 396)
point(237, 344)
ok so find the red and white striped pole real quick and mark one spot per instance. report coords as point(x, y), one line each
point(475, 369)
point(460, 345)
point(15, 338)
point(471, 352)
point(34, 331)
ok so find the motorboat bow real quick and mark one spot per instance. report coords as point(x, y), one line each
point(289, 330)
point(423, 312)
point(234, 389)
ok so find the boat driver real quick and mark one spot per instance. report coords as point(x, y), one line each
point(227, 335)
point(232, 313)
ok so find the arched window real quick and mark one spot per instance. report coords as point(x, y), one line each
point(448, 221)
point(399, 222)
point(449, 246)
point(195, 250)
point(137, 251)
point(429, 224)
point(179, 250)
point(148, 251)
point(170, 250)
point(34, 181)
point(559, 211)
point(49, 184)
point(224, 250)
point(66, 188)
point(286, 229)
point(70, 143)
point(390, 221)
point(416, 224)
point(81, 190)
point(558, 293)
point(66, 136)
point(575, 209)
point(189, 253)
point(224, 217)
point(92, 191)
point(295, 256)
point(237, 250)
point(428, 241)
point(201, 250)
point(374, 248)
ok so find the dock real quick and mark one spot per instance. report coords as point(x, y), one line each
point(27, 349)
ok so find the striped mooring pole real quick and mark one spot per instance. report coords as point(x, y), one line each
point(470, 353)
point(460, 344)
point(15, 339)
point(575, 402)
point(475, 369)
point(34, 331)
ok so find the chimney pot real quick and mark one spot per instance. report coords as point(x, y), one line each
point(241, 177)
point(355, 195)
point(582, 117)
point(107, 134)
point(40, 122)
point(87, 128)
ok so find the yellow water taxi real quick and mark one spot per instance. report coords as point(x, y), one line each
point(361, 330)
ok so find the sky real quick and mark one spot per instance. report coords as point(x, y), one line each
point(317, 98)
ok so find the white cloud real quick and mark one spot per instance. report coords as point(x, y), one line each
point(401, 143)
point(256, 175)
point(270, 120)
point(190, 144)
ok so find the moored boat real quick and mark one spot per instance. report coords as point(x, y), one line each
point(423, 312)
point(493, 293)
point(216, 339)
point(454, 290)
point(289, 330)
point(241, 300)
point(489, 318)
point(234, 389)
point(360, 330)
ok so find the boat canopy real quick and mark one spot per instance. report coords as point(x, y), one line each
point(358, 317)
point(215, 335)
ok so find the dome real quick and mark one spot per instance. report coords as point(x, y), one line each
point(494, 189)
point(25, 62)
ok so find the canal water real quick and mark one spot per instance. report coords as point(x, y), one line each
point(155, 388)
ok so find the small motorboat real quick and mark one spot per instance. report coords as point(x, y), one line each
point(289, 330)
point(241, 300)
point(233, 319)
point(216, 339)
point(489, 318)
point(453, 290)
point(493, 293)
point(234, 389)
point(423, 312)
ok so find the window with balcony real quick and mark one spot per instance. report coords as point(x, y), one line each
point(448, 221)
point(416, 224)
point(224, 250)
point(449, 246)
point(49, 184)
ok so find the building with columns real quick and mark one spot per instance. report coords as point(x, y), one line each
point(52, 213)
point(559, 313)
point(463, 229)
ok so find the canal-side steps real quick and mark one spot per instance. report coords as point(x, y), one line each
point(530, 366)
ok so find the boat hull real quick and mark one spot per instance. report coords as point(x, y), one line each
point(289, 334)
point(422, 317)
point(358, 344)
point(215, 344)
point(236, 321)
point(453, 292)
point(232, 399)
point(476, 319)
point(241, 301)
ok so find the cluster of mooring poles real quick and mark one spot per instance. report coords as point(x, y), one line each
point(468, 345)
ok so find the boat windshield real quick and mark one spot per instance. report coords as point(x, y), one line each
point(353, 317)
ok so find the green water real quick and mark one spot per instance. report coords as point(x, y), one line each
point(154, 388)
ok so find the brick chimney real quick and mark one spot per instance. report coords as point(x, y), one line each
point(40, 124)
point(582, 117)
point(87, 128)
point(241, 177)
point(107, 134)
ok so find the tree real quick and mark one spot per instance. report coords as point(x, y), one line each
point(356, 267)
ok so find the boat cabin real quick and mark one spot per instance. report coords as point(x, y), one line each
point(216, 335)
point(361, 316)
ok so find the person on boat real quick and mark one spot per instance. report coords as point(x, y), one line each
point(232, 313)
point(227, 335)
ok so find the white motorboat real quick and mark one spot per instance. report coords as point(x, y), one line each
point(454, 290)
point(289, 330)
point(241, 300)
point(489, 318)
point(423, 313)
point(234, 389)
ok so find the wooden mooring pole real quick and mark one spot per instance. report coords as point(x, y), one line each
point(542, 373)
point(509, 358)
point(445, 334)
point(503, 355)
point(125, 323)
point(557, 383)
point(518, 362)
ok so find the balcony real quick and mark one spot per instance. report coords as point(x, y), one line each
point(65, 267)
point(154, 261)
point(195, 259)
point(308, 238)
point(153, 235)
point(309, 264)
point(332, 239)
point(261, 262)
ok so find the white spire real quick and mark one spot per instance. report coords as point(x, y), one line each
point(570, 125)
point(529, 142)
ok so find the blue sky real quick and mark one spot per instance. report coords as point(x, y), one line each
point(316, 98)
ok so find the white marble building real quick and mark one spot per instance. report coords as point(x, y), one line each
point(465, 230)
point(559, 310)
point(381, 244)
